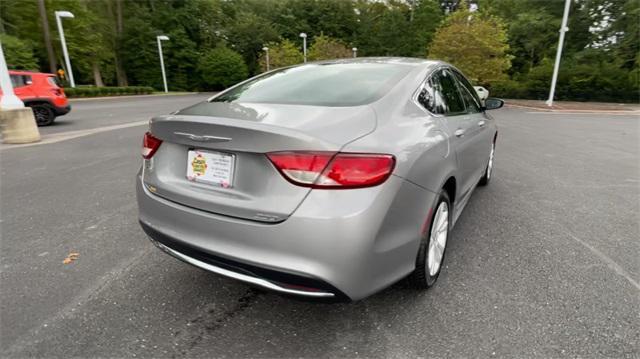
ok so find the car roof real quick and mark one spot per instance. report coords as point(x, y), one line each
point(410, 61)
point(30, 73)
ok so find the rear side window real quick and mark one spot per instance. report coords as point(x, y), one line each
point(430, 97)
point(468, 93)
point(332, 84)
point(20, 80)
point(447, 90)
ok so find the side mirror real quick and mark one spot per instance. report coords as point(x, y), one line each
point(493, 103)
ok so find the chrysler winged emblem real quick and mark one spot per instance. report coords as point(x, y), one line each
point(202, 138)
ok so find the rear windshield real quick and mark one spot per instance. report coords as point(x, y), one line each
point(333, 84)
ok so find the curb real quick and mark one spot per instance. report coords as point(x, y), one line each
point(131, 96)
point(541, 109)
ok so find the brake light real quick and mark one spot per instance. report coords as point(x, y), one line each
point(150, 145)
point(325, 170)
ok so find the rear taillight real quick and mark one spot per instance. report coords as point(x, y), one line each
point(330, 170)
point(150, 145)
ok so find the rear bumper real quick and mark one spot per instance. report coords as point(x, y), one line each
point(283, 282)
point(62, 110)
point(336, 245)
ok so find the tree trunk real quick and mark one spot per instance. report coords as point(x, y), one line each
point(119, 17)
point(97, 75)
point(121, 75)
point(53, 65)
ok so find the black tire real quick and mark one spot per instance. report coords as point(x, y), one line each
point(488, 171)
point(421, 278)
point(43, 114)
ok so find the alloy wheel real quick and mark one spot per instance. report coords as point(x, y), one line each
point(42, 115)
point(438, 239)
point(490, 166)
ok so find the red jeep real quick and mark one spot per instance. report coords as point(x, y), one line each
point(41, 92)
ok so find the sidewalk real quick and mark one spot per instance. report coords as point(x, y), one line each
point(120, 97)
point(573, 106)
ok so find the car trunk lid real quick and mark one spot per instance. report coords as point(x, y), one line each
point(245, 132)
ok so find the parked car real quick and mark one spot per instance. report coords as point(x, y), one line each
point(41, 92)
point(332, 179)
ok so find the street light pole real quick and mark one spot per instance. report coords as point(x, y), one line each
point(563, 29)
point(304, 45)
point(355, 52)
point(59, 16)
point(266, 52)
point(164, 75)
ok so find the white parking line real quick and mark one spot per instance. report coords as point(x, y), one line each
point(64, 136)
point(606, 259)
point(621, 113)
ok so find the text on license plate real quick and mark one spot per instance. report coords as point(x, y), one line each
point(210, 167)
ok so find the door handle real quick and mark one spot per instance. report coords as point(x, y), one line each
point(481, 123)
point(459, 132)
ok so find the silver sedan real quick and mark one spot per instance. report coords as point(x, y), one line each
point(330, 180)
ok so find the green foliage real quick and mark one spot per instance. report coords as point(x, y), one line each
point(325, 48)
point(476, 44)
point(18, 53)
point(281, 54)
point(394, 28)
point(107, 91)
point(220, 68)
point(249, 34)
point(114, 41)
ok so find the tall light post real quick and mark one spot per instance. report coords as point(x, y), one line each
point(59, 16)
point(304, 45)
point(556, 67)
point(355, 51)
point(266, 54)
point(164, 75)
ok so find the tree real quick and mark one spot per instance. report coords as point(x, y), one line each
point(475, 43)
point(86, 40)
point(324, 48)
point(221, 67)
point(282, 54)
point(19, 54)
point(46, 35)
point(427, 16)
point(248, 34)
point(532, 37)
point(335, 18)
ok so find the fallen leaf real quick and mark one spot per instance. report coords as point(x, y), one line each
point(71, 257)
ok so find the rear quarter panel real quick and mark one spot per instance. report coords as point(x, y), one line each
point(418, 140)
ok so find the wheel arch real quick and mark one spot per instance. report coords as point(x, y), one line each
point(450, 186)
point(37, 101)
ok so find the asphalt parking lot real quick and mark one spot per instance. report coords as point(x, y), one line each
point(542, 263)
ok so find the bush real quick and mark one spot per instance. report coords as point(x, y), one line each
point(284, 53)
point(221, 67)
point(577, 81)
point(325, 48)
point(107, 91)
